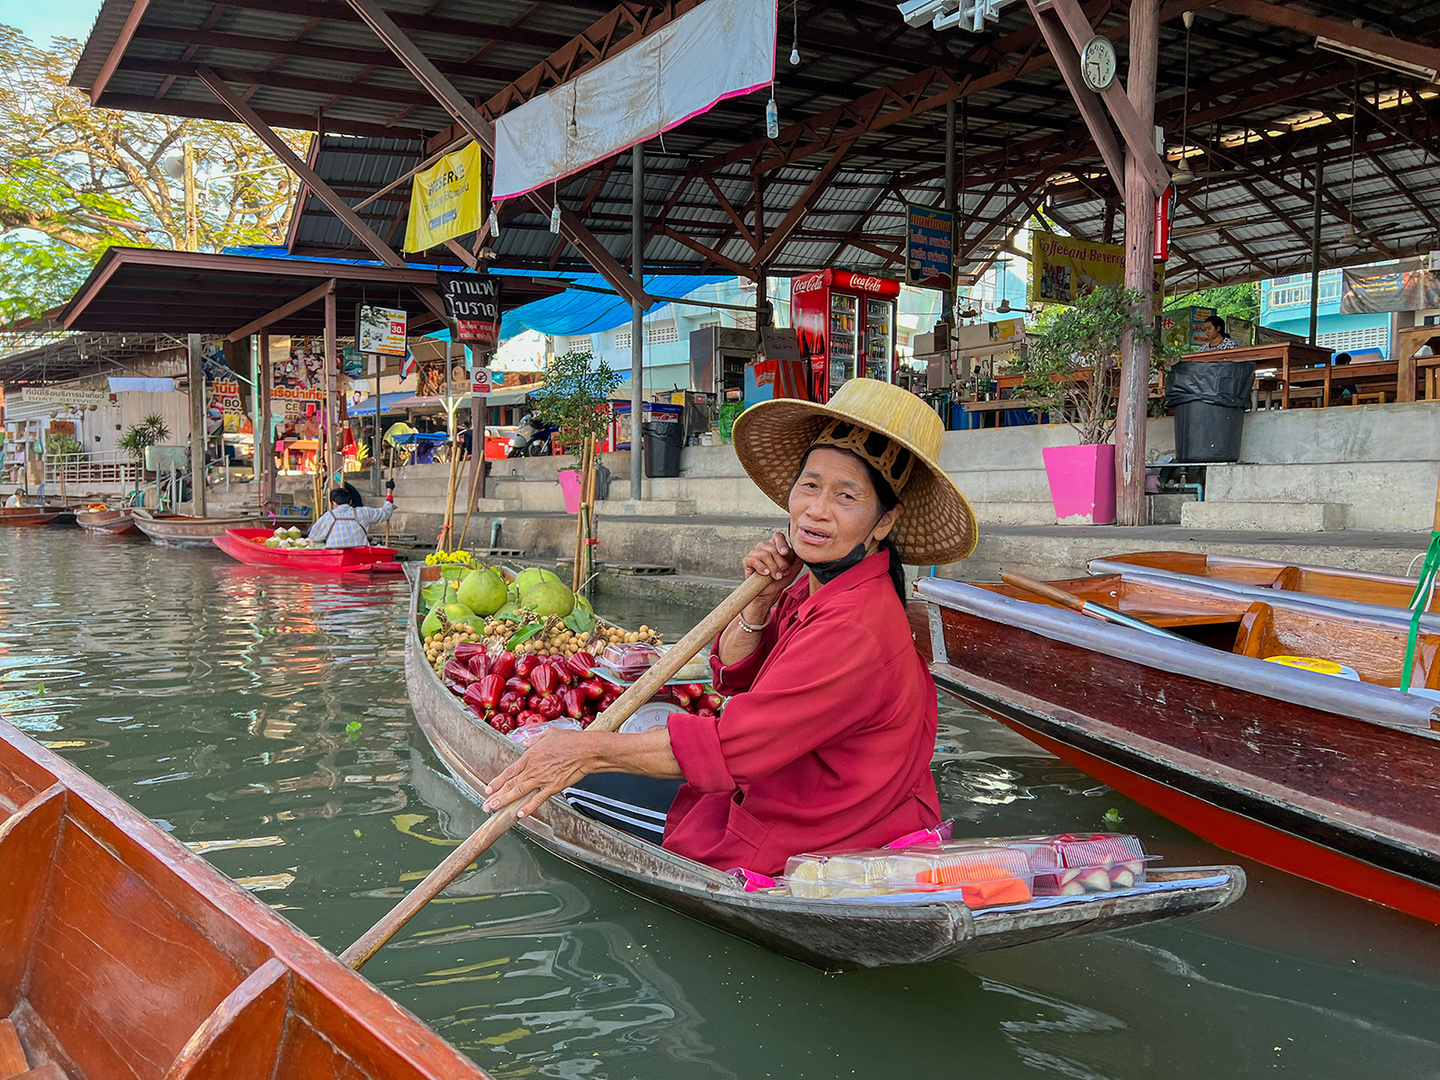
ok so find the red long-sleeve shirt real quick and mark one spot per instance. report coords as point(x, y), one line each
point(826, 742)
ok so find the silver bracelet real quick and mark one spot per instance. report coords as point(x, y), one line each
point(748, 628)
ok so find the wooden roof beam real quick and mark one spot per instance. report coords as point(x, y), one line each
point(1411, 52)
point(283, 311)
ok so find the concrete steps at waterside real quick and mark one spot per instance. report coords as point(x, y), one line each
point(1280, 517)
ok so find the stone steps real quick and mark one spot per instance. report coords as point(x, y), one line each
point(1280, 517)
point(1015, 513)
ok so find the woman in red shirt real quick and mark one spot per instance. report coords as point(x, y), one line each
point(827, 740)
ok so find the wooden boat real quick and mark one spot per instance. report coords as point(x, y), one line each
point(248, 546)
point(1330, 586)
point(830, 934)
point(185, 530)
point(1330, 778)
point(36, 515)
point(124, 955)
point(109, 521)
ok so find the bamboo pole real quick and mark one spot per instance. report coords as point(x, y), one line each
point(579, 567)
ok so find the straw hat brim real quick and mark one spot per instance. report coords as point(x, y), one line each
point(936, 523)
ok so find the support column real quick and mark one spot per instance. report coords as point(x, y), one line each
point(1139, 273)
point(637, 317)
point(477, 435)
point(1315, 248)
point(331, 388)
point(197, 426)
point(947, 307)
point(264, 442)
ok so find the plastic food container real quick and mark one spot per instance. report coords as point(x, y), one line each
point(629, 661)
point(983, 875)
point(1080, 863)
point(697, 669)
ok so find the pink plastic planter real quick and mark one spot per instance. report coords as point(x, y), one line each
point(570, 488)
point(1082, 483)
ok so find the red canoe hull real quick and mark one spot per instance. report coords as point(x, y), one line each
point(248, 546)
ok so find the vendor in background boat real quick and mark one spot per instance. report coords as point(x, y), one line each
point(827, 740)
point(344, 525)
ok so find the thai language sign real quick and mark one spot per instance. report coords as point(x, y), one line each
point(929, 247)
point(380, 330)
point(1063, 269)
point(473, 301)
point(445, 200)
point(1397, 286)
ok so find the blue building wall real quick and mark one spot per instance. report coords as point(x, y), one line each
point(1285, 305)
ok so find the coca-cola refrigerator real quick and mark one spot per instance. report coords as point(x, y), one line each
point(846, 326)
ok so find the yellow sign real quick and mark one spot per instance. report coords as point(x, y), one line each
point(1063, 269)
point(445, 200)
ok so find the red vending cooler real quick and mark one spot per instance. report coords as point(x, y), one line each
point(846, 326)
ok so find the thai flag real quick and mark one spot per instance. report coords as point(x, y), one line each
point(407, 365)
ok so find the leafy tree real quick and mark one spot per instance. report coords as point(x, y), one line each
point(75, 180)
point(1074, 368)
point(1229, 301)
point(575, 397)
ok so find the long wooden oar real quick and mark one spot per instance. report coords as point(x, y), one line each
point(674, 658)
point(1086, 607)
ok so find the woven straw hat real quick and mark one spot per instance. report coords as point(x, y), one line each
point(936, 524)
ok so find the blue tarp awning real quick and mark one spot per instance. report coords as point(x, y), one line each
point(574, 312)
point(387, 402)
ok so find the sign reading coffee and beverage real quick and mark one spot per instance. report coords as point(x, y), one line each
point(929, 247)
point(473, 301)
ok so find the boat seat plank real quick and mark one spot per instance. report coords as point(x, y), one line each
point(28, 839)
point(48, 1071)
point(239, 1040)
point(104, 932)
point(12, 1055)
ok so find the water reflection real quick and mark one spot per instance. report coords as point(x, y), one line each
point(217, 698)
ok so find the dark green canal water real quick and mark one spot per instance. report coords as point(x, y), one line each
point(216, 698)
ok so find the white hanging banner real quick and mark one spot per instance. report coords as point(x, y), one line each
point(718, 50)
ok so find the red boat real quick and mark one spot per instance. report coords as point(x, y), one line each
point(1313, 762)
point(248, 546)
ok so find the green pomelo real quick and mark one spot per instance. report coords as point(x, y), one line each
point(550, 598)
point(528, 579)
point(430, 627)
point(483, 591)
point(507, 608)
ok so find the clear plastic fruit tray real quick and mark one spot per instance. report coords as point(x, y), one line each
point(985, 872)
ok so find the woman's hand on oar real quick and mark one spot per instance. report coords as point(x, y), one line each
point(554, 762)
point(676, 657)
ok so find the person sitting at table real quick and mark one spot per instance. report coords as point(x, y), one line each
point(1348, 390)
point(1212, 332)
point(344, 525)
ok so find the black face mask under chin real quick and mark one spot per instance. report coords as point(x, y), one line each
point(826, 572)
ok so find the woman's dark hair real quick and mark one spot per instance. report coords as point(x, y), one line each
point(888, 500)
point(1217, 322)
point(346, 495)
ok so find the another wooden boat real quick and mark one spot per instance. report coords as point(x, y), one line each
point(185, 530)
point(1331, 586)
point(36, 515)
point(1335, 779)
point(109, 521)
point(248, 546)
point(124, 955)
point(830, 934)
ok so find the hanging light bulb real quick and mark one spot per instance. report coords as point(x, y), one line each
point(772, 117)
point(794, 54)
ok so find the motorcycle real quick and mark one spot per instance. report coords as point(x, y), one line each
point(531, 439)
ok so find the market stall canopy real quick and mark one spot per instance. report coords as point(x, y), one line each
point(387, 404)
point(198, 293)
point(861, 127)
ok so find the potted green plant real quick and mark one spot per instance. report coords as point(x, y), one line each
point(151, 431)
point(576, 400)
point(1071, 370)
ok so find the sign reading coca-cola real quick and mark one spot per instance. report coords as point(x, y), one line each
point(875, 286)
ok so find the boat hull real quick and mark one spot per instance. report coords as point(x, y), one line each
point(825, 934)
point(124, 954)
point(181, 530)
point(1334, 781)
point(36, 515)
point(107, 522)
point(248, 546)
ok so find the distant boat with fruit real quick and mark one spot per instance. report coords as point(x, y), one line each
point(263, 547)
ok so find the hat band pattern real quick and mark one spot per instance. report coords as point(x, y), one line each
point(887, 457)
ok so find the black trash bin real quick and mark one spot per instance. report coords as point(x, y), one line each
point(1209, 398)
point(663, 439)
